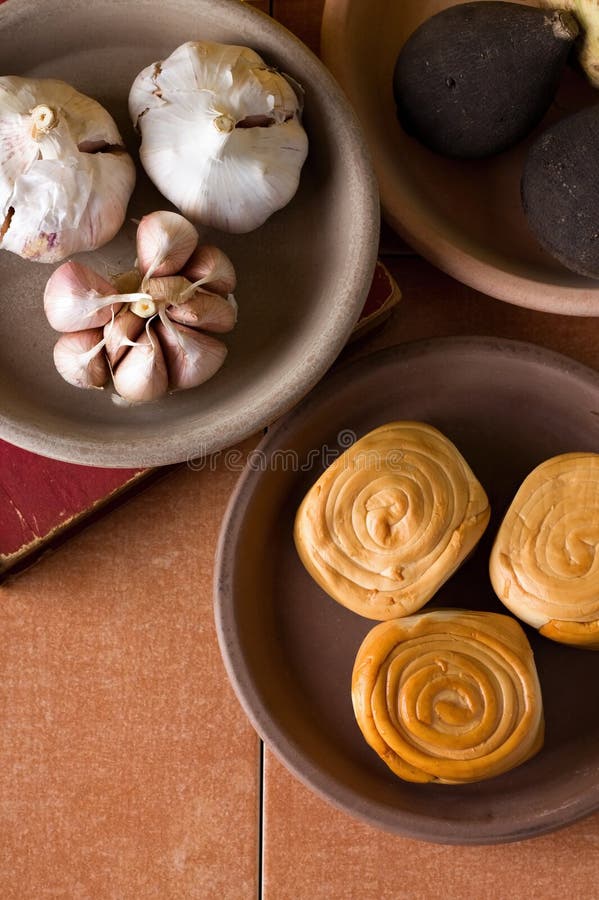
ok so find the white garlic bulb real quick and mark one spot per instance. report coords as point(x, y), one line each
point(221, 134)
point(65, 178)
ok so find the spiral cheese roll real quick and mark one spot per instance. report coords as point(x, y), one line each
point(449, 696)
point(390, 520)
point(544, 564)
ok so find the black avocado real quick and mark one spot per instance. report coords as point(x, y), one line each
point(560, 191)
point(474, 79)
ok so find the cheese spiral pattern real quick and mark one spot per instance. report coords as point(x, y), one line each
point(544, 564)
point(390, 520)
point(448, 696)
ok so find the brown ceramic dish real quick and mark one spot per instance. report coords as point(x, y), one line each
point(289, 648)
point(465, 217)
point(303, 276)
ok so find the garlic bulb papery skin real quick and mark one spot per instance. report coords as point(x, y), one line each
point(221, 133)
point(204, 310)
point(170, 289)
point(65, 177)
point(587, 44)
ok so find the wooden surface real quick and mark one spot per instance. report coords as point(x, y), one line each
point(128, 770)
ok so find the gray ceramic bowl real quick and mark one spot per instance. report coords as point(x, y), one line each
point(465, 217)
point(289, 648)
point(303, 276)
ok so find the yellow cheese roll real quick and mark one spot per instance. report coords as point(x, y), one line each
point(390, 520)
point(449, 696)
point(544, 564)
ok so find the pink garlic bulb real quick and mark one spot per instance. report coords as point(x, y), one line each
point(151, 339)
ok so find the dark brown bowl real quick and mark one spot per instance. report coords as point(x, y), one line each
point(289, 648)
point(466, 217)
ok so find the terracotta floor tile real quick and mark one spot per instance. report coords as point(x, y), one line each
point(312, 851)
point(127, 769)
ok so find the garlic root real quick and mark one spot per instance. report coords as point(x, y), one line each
point(144, 307)
point(43, 119)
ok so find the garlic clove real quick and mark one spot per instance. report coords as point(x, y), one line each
point(119, 332)
point(204, 310)
point(221, 134)
point(58, 195)
point(76, 297)
point(169, 289)
point(192, 357)
point(165, 241)
point(141, 375)
point(212, 268)
point(80, 359)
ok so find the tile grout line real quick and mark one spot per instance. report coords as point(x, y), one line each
point(261, 821)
